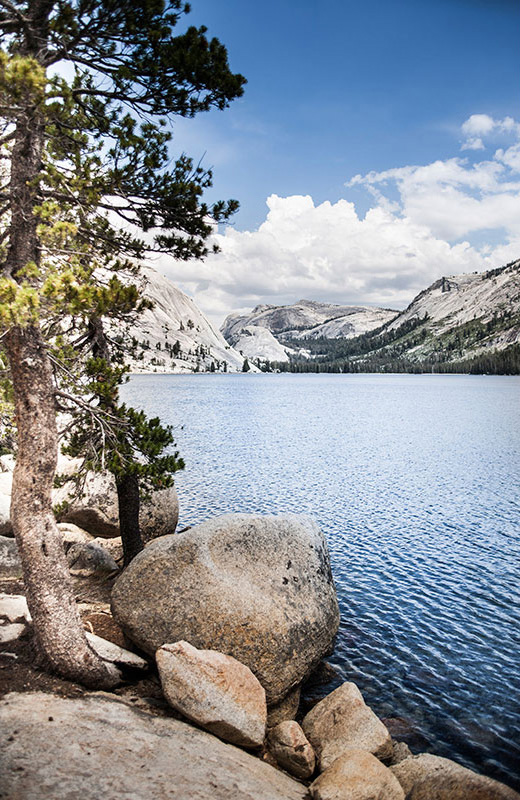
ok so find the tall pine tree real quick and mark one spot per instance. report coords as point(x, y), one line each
point(86, 89)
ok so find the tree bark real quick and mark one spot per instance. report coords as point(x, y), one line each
point(128, 501)
point(59, 635)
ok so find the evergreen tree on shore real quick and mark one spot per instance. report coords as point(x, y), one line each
point(82, 151)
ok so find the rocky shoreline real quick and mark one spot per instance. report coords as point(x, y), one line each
point(214, 631)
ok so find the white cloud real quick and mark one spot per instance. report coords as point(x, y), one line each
point(451, 216)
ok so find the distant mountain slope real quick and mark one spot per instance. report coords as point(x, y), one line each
point(257, 342)
point(460, 298)
point(175, 336)
point(306, 319)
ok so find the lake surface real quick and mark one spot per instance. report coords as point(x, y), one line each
point(414, 480)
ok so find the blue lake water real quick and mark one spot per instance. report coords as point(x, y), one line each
point(414, 480)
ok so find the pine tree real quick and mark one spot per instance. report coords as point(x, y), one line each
point(79, 148)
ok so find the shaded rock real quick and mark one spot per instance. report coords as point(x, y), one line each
point(97, 510)
point(103, 624)
point(342, 721)
point(357, 775)
point(13, 608)
point(428, 777)
point(406, 730)
point(89, 558)
point(400, 752)
point(285, 709)
point(97, 746)
point(109, 651)
point(215, 691)
point(113, 546)
point(10, 564)
point(292, 750)
point(258, 588)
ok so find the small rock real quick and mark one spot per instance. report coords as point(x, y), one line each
point(13, 608)
point(357, 775)
point(72, 534)
point(90, 559)
point(428, 777)
point(292, 750)
point(400, 752)
point(113, 546)
point(10, 632)
point(342, 721)
point(10, 564)
point(215, 691)
point(285, 709)
point(109, 651)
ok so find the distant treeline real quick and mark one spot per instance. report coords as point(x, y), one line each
point(389, 350)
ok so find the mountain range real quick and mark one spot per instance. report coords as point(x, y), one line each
point(460, 321)
point(457, 320)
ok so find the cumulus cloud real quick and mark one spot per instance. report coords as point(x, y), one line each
point(451, 216)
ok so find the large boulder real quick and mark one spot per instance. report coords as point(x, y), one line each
point(215, 691)
point(96, 746)
point(342, 721)
point(258, 588)
point(429, 777)
point(96, 510)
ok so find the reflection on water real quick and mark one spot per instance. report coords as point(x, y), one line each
point(414, 480)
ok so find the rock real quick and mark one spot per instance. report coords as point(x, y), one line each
point(112, 546)
point(90, 559)
point(342, 721)
point(215, 691)
point(109, 651)
point(6, 529)
point(97, 510)
point(97, 746)
point(258, 588)
point(6, 463)
point(400, 752)
point(13, 608)
point(10, 632)
point(10, 564)
point(285, 709)
point(73, 535)
point(356, 775)
point(428, 777)
point(292, 750)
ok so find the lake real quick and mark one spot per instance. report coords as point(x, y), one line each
point(414, 480)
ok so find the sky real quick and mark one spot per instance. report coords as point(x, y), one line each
point(376, 148)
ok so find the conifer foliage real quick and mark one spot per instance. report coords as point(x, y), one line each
point(87, 89)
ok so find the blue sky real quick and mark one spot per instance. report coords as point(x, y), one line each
point(343, 89)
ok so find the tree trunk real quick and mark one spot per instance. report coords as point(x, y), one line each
point(59, 635)
point(128, 501)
